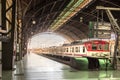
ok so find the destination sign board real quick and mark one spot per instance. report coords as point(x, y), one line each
point(101, 30)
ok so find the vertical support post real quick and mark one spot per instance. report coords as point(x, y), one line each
point(23, 44)
point(0, 14)
point(0, 43)
point(13, 28)
point(3, 14)
point(115, 28)
point(8, 47)
point(115, 52)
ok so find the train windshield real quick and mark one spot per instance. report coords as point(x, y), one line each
point(100, 46)
point(94, 47)
point(106, 46)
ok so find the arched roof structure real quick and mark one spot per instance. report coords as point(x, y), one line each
point(46, 12)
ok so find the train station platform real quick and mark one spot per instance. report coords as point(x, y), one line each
point(36, 67)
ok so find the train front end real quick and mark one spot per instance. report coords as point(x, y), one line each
point(98, 49)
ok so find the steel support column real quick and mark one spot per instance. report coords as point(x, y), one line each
point(24, 44)
point(0, 44)
point(8, 47)
point(116, 29)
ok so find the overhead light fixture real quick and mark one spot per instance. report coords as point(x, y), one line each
point(31, 32)
point(81, 19)
point(33, 22)
point(71, 9)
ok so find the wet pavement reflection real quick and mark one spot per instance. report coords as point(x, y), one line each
point(41, 68)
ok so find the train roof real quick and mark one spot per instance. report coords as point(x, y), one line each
point(88, 41)
point(96, 41)
point(66, 44)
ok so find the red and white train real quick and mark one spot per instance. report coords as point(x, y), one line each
point(91, 48)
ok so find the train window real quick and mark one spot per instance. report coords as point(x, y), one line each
point(83, 49)
point(64, 49)
point(99, 47)
point(76, 49)
point(94, 47)
point(67, 50)
point(72, 49)
point(106, 47)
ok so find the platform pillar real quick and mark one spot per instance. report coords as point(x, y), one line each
point(8, 47)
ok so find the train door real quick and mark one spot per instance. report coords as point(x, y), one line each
point(73, 50)
point(82, 50)
point(76, 50)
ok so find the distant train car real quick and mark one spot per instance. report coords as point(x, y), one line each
point(55, 50)
point(92, 48)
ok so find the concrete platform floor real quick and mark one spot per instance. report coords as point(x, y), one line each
point(35, 67)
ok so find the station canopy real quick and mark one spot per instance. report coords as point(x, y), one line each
point(69, 18)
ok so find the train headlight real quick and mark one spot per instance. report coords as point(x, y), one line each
point(93, 54)
point(106, 54)
point(98, 54)
point(101, 54)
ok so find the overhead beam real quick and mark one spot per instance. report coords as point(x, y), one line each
point(26, 7)
point(3, 31)
point(107, 8)
point(72, 8)
point(110, 16)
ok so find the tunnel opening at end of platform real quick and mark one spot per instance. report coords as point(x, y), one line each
point(39, 42)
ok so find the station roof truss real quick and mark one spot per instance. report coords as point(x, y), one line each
point(69, 18)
